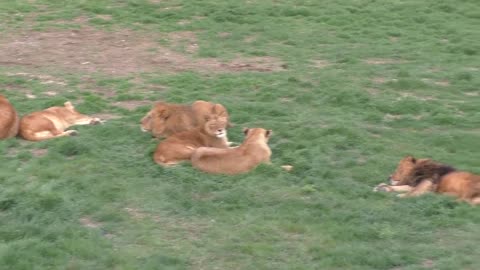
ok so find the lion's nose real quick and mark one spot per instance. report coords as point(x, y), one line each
point(219, 130)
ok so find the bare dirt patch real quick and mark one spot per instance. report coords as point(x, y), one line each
point(89, 223)
point(131, 104)
point(122, 52)
point(177, 228)
point(444, 83)
point(321, 63)
point(380, 80)
point(383, 61)
point(106, 116)
point(39, 152)
point(404, 95)
point(44, 79)
point(186, 39)
point(472, 94)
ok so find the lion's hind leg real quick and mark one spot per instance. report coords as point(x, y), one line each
point(173, 156)
point(45, 129)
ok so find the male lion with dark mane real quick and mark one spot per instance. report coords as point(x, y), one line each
point(53, 122)
point(253, 151)
point(180, 146)
point(9, 119)
point(419, 176)
point(165, 119)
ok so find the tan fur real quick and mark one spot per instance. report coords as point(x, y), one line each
point(52, 122)
point(426, 175)
point(253, 151)
point(9, 120)
point(180, 146)
point(165, 119)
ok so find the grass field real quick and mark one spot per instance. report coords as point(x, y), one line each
point(348, 88)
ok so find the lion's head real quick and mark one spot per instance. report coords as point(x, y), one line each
point(403, 172)
point(155, 121)
point(216, 126)
point(411, 171)
point(257, 134)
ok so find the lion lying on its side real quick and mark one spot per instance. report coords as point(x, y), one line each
point(253, 151)
point(52, 122)
point(419, 176)
point(9, 120)
point(165, 119)
point(180, 146)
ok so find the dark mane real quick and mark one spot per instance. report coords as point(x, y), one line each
point(429, 170)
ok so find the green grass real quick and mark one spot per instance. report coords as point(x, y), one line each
point(400, 77)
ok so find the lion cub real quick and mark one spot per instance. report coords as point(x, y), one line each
point(253, 151)
point(52, 122)
point(180, 146)
point(165, 119)
point(9, 119)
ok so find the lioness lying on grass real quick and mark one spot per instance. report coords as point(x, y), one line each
point(419, 176)
point(52, 122)
point(253, 151)
point(180, 146)
point(9, 120)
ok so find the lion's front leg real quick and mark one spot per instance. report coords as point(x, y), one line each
point(388, 188)
point(422, 188)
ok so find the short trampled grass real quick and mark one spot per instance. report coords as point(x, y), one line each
point(348, 88)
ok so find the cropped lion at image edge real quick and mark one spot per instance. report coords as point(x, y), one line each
point(9, 120)
point(415, 177)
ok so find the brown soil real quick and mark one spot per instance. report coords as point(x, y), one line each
point(119, 53)
point(383, 61)
point(132, 104)
point(89, 223)
point(39, 152)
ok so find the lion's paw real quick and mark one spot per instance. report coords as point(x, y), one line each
point(96, 121)
point(72, 132)
point(382, 188)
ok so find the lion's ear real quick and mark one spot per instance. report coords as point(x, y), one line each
point(245, 130)
point(411, 159)
point(163, 113)
point(219, 110)
point(268, 133)
point(69, 105)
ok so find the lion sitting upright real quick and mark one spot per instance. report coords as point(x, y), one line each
point(419, 176)
point(165, 119)
point(253, 151)
point(180, 146)
point(52, 122)
point(9, 120)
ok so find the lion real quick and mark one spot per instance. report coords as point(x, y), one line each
point(180, 146)
point(165, 119)
point(253, 151)
point(419, 176)
point(9, 120)
point(52, 122)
